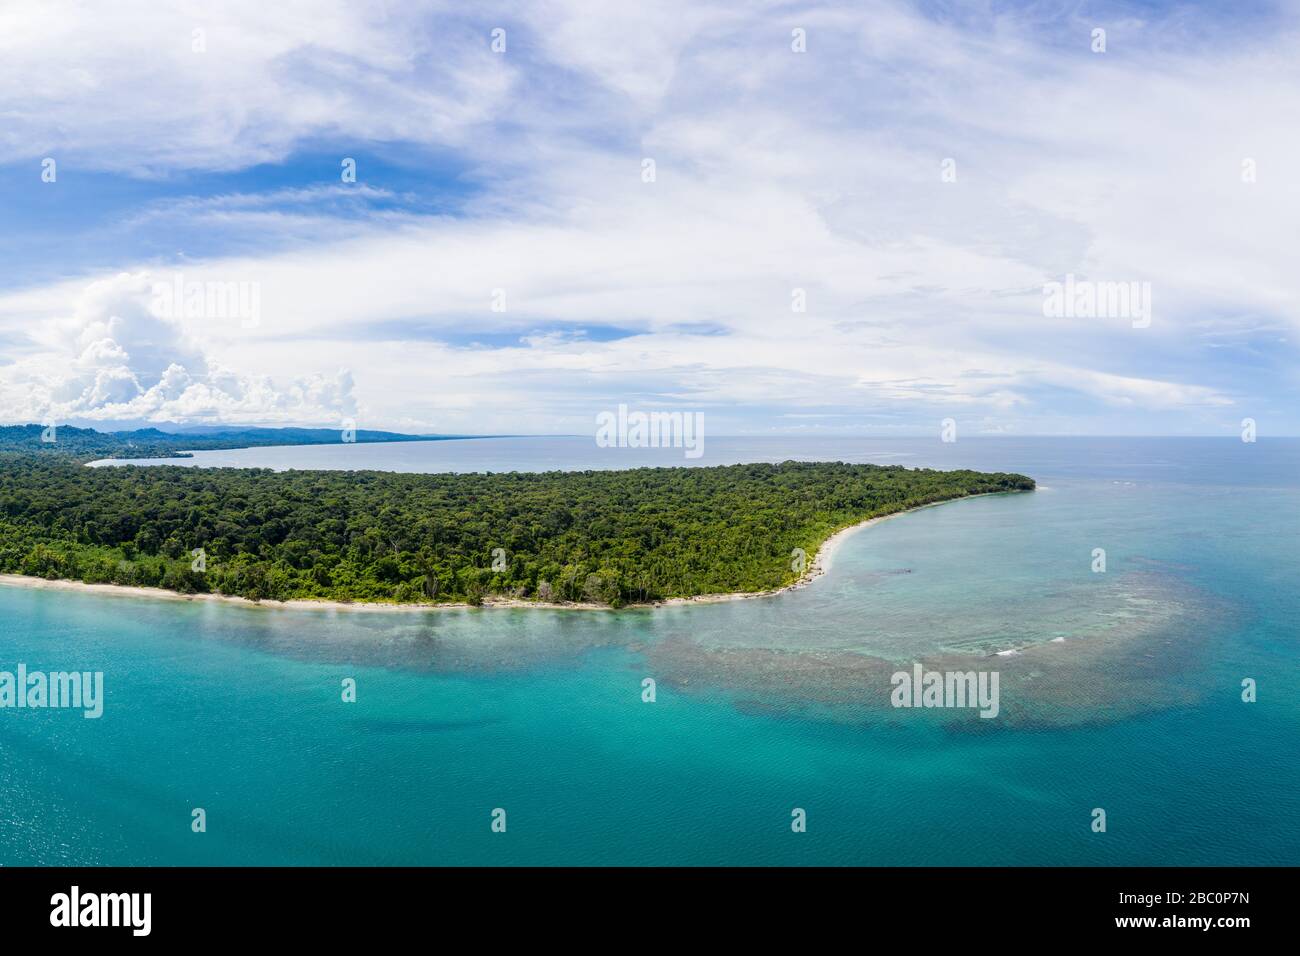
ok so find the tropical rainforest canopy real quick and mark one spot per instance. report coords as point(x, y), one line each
point(611, 537)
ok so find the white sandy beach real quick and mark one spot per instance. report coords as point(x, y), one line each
point(820, 565)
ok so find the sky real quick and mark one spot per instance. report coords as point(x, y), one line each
point(826, 218)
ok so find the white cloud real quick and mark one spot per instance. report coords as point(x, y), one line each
point(775, 170)
point(113, 358)
point(123, 88)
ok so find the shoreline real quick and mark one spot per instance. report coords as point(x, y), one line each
point(819, 566)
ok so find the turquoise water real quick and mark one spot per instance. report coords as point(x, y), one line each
point(762, 706)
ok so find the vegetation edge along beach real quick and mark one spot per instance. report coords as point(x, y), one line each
point(815, 569)
point(604, 539)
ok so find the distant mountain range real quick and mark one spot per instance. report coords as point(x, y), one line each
point(155, 443)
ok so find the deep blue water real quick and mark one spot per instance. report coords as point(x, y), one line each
point(1125, 693)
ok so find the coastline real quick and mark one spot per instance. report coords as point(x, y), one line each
point(820, 565)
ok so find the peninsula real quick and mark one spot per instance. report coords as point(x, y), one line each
point(602, 538)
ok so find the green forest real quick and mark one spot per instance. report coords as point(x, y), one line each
point(608, 537)
point(87, 443)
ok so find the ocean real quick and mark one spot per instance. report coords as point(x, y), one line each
point(1120, 690)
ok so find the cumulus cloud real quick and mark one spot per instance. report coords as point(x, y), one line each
point(114, 357)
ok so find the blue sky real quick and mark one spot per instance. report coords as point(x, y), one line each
point(915, 176)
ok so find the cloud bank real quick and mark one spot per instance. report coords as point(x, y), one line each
point(115, 358)
point(851, 238)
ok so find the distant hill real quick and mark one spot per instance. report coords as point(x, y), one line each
point(87, 443)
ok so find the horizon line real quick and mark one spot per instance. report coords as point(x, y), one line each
point(479, 435)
